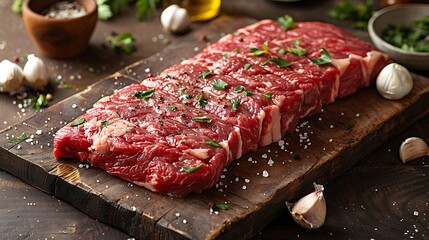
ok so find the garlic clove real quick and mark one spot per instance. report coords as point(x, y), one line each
point(175, 19)
point(35, 73)
point(394, 82)
point(310, 211)
point(11, 77)
point(413, 148)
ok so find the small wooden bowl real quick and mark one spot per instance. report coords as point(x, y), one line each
point(59, 38)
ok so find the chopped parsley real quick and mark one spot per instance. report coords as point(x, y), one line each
point(192, 169)
point(201, 101)
point(282, 51)
point(247, 65)
point(213, 144)
point(78, 122)
point(297, 51)
point(258, 52)
point(350, 126)
point(226, 55)
point(286, 22)
point(187, 96)
point(296, 42)
point(248, 93)
point(205, 74)
point(280, 62)
point(263, 63)
point(267, 95)
point(19, 139)
point(144, 94)
point(219, 84)
point(172, 107)
point(239, 89)
point(202, 119)
point(124, 42)
point(104, 123)
point(235, 103)
point(182, 89)
point(223, 206)
point(324, 59)
point(39, 102)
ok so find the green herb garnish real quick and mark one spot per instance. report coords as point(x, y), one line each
point(267, 95)
point(40, 102)
point(213, 144)
point(223, 206)
point(17, 6)
point(192, 169)
point(226, 55)
point(263, 63)
point(297, 51)
point(202, 119)
point(235, 103)
point(286, 22)
point(247, 65)
point(124, 42)
point(324, 59)
point(280, 62)
point(201, 100)
point(104, 123)
point(296, 42)
point(248, 93)
point(257, 51)
point(410, 37)
point(172, 107)
point(350, 126)
point(219, 84)
point(239, 89)
point(187, 96)
point(144, 94)
point(282, 51)
point(205, 74)
point(19, 139)
point(78, 122)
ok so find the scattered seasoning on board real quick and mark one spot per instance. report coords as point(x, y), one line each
point(65, 9)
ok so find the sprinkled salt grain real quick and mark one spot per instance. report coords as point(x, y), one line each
point(18, 147)
point(244, 187)
point(237, 179)
point(357, 114)
point(247, 180)
point(416, 213)
point(332, 126)
point(265, 173)
point(222, 176)
point(184, 221)
point(330, 140)
point(133, 208)
point(270, 162)
point(147, 70)
point(196, 49)
point(250, 159)
point(74, 105)
point(38, 132)
point(264, 155)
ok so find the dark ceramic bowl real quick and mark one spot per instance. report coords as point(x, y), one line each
point(59, 38)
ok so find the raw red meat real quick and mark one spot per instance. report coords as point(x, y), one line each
point(174, 133)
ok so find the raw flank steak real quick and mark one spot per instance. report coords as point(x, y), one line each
point(174, 133)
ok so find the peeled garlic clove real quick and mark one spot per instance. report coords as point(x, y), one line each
point(394, 82)
point(35, 74)
point(175, 19)
point(310, 211)
point(11, 77)
point(413, 148)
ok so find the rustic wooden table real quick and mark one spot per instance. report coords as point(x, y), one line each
point(379, 198)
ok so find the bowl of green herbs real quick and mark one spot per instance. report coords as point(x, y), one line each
point(402, 31)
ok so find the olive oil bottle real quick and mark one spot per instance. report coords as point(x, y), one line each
point(199, 10)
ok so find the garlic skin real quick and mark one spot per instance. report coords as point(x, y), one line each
point(35, 73)
point(413, 148)
point(394, 82)
point(175, 19)
point(310, 211)
point(11, 77)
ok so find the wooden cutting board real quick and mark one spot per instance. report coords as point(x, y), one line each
point(255, 186)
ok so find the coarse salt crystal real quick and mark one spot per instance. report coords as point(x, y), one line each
point(265, 173)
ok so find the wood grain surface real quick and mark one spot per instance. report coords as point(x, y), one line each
point(340, 136)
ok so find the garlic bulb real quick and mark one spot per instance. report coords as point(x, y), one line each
point(394, 82)
point(175, 19)
point(413, 148)
point(11, 77)
point(35, 74)
point(310, 211)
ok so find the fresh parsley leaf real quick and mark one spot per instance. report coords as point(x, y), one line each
point(235, 103)
point(187, 96)
point(265, 46)
point(202, 101)
point(223, 206)
point(267, 95)
point(247, 65)
point(237, 50)
point(145, 8)
point(205, 74)
point(124, 42)
point(256, 51)
point(226, 55)
point(172, 107)
point(17, 6)
point(263, 63)
point(78, 122)
point(297, 51)
point(105, 123)
point(19, 139)
point(202, 119)
point(324, 59)
point(296, 42)
point(213, 144)
point(192, 169)
point(40, 102)
point(248, 93)
point(282, 51)
point(239, 89)
point(219, 84)
point(280, 62)
point(144, 94)
point(286, 22)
